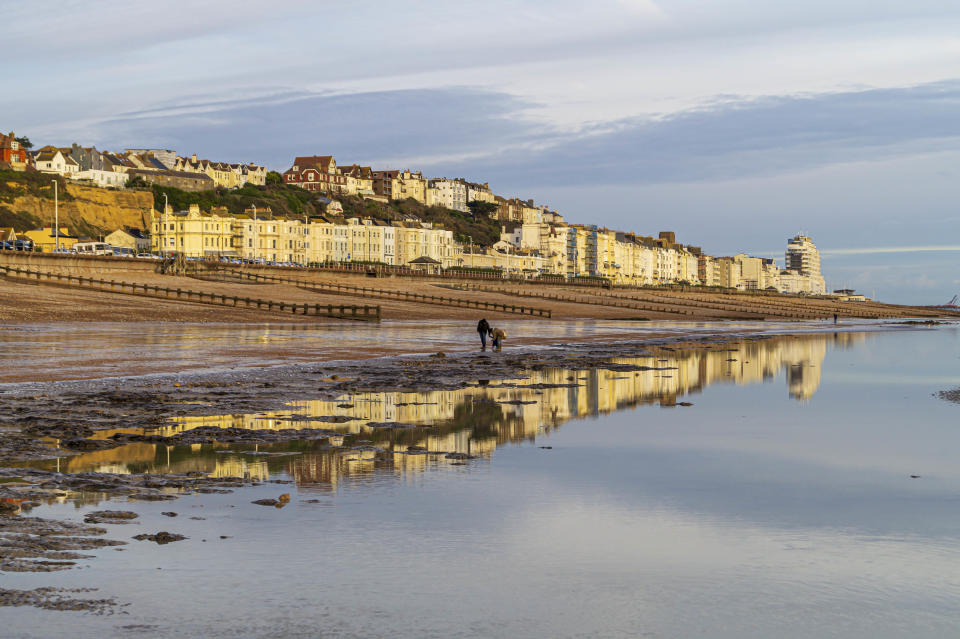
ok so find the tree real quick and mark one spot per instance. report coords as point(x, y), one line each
point(481, 209)
point(137, 182)
point(274, 178)
point(24, 142)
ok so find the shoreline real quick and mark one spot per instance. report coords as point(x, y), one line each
point(457, 339)
point(33, 415)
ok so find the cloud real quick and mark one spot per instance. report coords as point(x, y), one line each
point(484, 134)
point(363, 127)
point(889, 249)
point(734, 138)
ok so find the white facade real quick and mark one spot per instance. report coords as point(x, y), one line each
point(451, 194)
point(803, 257)
point(101, 178)
point(55, 162)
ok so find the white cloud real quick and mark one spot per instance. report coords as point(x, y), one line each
point(890, 249)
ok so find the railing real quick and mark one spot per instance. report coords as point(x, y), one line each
point(402, 296)
point(338, 311)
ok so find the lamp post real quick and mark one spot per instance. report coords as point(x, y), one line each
point(254, 231)
point(56, 216)
point(470, 237)
point(163, 236)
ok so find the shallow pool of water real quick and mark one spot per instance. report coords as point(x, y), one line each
point(779, 504)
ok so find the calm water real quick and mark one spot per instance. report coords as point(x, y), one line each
point(779, 504)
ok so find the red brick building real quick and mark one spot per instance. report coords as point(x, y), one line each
point(11, 152)
point(317, 173)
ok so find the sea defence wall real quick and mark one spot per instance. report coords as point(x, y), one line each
point(76, 264)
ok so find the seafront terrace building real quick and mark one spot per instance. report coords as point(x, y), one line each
point(257, 234)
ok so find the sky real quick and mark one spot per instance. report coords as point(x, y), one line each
point(734, 123)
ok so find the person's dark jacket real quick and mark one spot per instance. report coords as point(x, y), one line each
point(483, 326)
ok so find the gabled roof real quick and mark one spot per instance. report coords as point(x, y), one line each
point(424, 260)
point(46, 154)
point(321, 162)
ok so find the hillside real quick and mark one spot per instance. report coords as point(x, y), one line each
point(26, 202)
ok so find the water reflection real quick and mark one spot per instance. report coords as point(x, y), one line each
point(473, 421)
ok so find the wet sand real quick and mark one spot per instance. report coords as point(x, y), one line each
point(88, 350)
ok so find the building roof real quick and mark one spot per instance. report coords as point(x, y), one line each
point(321, 162)
point(46, 153)
point(177, 174)
point(424, 260)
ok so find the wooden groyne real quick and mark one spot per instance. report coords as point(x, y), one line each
point(336, 311)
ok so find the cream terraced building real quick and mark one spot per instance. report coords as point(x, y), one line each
point(258, 235)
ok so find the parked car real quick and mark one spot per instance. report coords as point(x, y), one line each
point(93, 248)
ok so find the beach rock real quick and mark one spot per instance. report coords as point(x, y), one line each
point(7, 507)
point(169, 514)
point(110, 517)
point(266, 502)
point(151, 497)
point(162, 537)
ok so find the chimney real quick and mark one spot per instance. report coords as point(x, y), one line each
point(193, 158)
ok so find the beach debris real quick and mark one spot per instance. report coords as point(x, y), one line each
point(169, 514)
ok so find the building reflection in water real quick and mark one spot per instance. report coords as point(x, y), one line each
point(475, 420)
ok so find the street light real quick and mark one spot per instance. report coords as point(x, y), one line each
point(254, 231)
point(163, 236)
point(56, 216)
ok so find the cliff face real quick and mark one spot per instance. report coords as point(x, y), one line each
point(89, 209)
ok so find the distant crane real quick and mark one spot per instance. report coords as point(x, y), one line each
point(951, 305)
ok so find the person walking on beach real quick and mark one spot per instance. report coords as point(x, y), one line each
point(498, 336)
point(834, 318)
point(483, 327)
